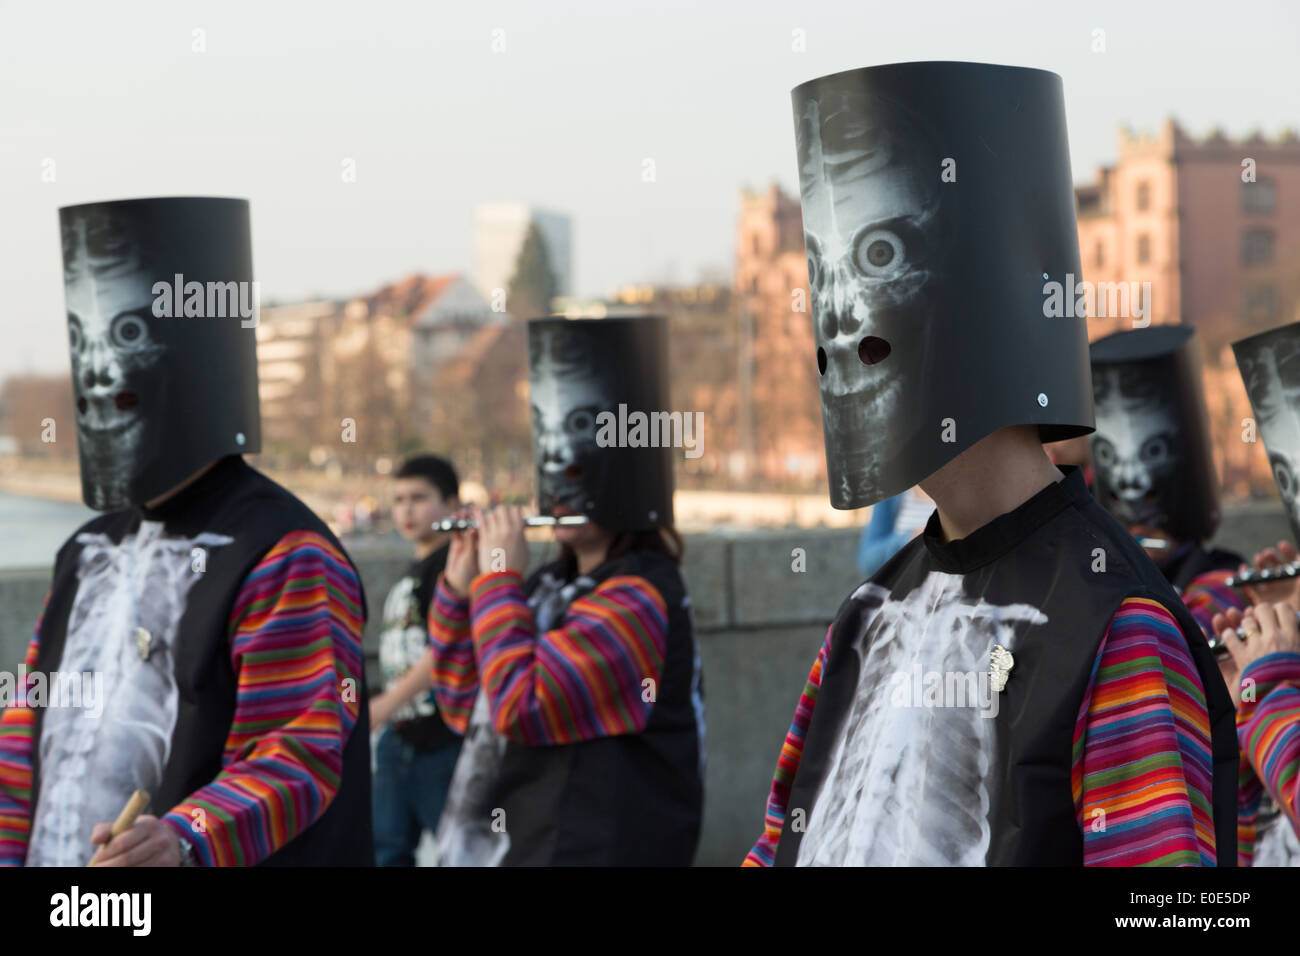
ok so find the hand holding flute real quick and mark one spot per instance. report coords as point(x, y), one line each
point(462, 560)
point(491, 541)
point(1244, 637)
point(1273, 576)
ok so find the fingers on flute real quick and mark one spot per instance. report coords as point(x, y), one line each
point(1236, 649)
point(1272, 557)
point(1232, 640)
point(1265, 616)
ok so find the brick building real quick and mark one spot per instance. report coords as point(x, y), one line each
point(780, 427)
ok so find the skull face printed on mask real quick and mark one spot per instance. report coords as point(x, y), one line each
point(1136, 449)
point(566, 399)
point(870, 186)
point(588, 380)
point(1271, 372)
point(117, 353)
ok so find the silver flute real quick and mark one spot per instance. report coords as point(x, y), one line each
point(536, 521)
point(1280, 573)
point(1155, 544)
point(1221, 649)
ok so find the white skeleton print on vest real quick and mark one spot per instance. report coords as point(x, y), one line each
point(122, 626)
point(908, 783)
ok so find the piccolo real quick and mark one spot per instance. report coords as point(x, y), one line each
point(1220, 649)
point(1281, 573)
point(535, 521)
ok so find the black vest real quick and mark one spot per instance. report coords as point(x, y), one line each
point(1035, 570)
point(630, 800)
point(234, 500)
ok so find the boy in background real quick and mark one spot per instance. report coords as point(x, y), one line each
point(417, 752)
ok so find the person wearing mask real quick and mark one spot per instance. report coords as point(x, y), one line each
point(220, 617)
point(578, 686)
point(1000, 690)
point(1154, 461)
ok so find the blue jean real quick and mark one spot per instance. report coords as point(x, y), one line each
point(410, 788)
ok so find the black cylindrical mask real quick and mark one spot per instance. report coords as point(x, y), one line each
point(580, 372)
point(162, 315)
point(1153, 461)
point(937, 208)
point(1270, 367)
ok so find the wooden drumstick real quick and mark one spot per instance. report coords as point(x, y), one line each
point(125, 820)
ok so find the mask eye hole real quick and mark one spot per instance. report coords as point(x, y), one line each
point(580, 422)
point(1103, 453)
point(129, 331)
point(1155, 449)
point(879, 253)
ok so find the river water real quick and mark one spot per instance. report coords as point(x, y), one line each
point(33, 529)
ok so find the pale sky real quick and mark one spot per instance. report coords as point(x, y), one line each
point(583, 93)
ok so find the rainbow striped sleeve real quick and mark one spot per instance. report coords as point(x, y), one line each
point(16, 726)
point(296, 648)
point(1208, 594)
point(764, 851)
point(1268, 730)
point(455, 674)
point(1142, 769)
point(594, 676)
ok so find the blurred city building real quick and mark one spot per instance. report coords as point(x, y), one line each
point(426, 362)
point(780, 428)
point(382, 361)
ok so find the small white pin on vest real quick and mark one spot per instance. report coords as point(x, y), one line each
point(1000, 664)
point(142, 641)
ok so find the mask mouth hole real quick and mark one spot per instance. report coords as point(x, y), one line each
point(873, 350)
point(573, 473)
point(126, 401)
point(82, 405)
point(821, 361)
